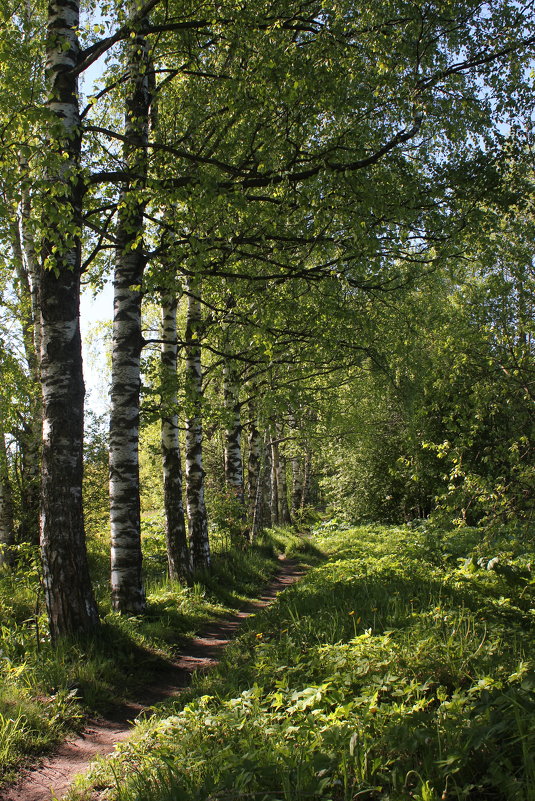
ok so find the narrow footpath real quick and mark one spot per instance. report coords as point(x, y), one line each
point(51, 779)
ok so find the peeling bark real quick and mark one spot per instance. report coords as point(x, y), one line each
point(69, 598)
point(128, 593)
point(178, 555)
point(197, 520)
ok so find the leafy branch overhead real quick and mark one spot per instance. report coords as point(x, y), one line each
point(300, 204)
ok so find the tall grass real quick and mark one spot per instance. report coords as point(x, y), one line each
point(402, 668)
point(46, 691)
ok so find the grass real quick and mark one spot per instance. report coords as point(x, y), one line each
point(402, 668)
point(47, 691)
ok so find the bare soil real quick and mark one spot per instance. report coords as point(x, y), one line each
point(52, 777)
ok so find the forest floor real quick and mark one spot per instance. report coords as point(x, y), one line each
point(53, 776)
point(400, 668)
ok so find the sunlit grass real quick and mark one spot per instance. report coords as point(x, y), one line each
point(400, 669)
point(45, 691)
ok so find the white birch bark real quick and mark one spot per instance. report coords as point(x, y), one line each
point(178, 555)
point(197, 520)
point(128, 593)
point(69, 598)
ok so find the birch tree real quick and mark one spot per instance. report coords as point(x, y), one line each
point(196, 508)
point(282, 481)
point(7, 528)
point(254, 187)
point(128, 594)
point(275, 484)
point(22, 97)
point(178, 554)
point(266, 483)
point(233, 430)
point(254, 488)
point(70, 603)
point(27, 287)
point(298, 482)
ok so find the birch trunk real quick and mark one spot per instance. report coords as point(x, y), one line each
point(233, 428)
point(297, 482)
point(128, 593)
point(69, 598)
point(27, 270)
point(29, 258)
point(275, 469)
point(266, 482)
point(279, 480)
point(254, 497)
point(307, 478)
point(284, 510)
point(7, 536)
point(178, 555)
point(197, 520)
point(297, 469)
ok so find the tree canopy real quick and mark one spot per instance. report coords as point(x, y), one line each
point(334, 203)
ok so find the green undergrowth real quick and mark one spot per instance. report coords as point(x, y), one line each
point(46, 691)
point(401, 668)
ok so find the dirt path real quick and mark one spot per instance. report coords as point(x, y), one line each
point(53, 777)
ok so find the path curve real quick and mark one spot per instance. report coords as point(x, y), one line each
point(51, 779)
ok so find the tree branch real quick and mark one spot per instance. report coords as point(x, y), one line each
point(94, 52)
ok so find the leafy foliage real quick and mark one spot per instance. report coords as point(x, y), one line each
point(48, 690)
point(401, 668)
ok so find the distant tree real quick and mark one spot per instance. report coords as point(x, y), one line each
point(7, 526)
point(178, 553)
point(197, 518)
